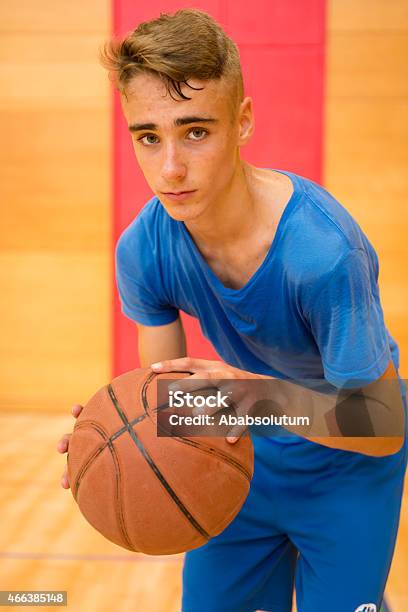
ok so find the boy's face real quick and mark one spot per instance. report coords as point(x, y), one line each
point(188, 150)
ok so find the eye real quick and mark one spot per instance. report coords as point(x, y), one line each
point(197, 133)
point(148, 139)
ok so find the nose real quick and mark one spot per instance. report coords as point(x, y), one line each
point(173, 168)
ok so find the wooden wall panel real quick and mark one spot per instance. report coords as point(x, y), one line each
point(367, 15)
point(55, 346)
point(55, 249)
point(54, 171)
point(372, 65)
point(366, 160)
point(48, 16)
point(366, 155)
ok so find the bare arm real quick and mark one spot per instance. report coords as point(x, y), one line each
point(369, 422)
point(157, 343)
point(378, 411)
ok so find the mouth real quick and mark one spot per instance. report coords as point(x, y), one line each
point(177, 192)
point(178, 195)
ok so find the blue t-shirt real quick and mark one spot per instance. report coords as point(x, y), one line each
point(311, 311)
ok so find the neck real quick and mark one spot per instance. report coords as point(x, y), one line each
point(232, 215)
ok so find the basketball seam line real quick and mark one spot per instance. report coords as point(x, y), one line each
point(84, 469)
point(209, 450)
point(153, 466)
point(199, 445)
point(122, 523)
point(122, 431)
point(217, 453)
point(85, 466)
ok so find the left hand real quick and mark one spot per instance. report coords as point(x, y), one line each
point(222, 376)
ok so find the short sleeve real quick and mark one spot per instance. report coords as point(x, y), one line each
point(139, 280)
point(347, 323)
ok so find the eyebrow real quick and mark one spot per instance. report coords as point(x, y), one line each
point(137, 127)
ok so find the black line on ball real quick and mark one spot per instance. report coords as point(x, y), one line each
point(154, 467)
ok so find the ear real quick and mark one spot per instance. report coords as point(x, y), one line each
point(246, 121)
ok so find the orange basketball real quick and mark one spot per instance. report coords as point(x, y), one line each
point(157, 495)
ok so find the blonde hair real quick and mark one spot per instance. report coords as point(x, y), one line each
point(188, 44)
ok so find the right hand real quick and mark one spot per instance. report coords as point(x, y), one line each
point(63, 444)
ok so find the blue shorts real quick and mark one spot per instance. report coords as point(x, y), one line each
point(323, 519)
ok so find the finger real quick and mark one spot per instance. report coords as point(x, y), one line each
point(235, 433)
point(76, 410)
point(206, 395)
point(195, 382)
point(183, 364)
point(238, 430)
point(232, 395)
point(233, 388)
point(64, 480)
point(208, 379)
point(62, 445)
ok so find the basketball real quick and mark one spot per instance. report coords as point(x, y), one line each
point(148, 493)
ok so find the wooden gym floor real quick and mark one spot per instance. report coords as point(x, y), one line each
point(45, 544)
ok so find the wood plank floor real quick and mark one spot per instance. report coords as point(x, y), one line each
point(45, 544)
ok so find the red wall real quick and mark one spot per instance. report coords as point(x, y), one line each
point(282, 47)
